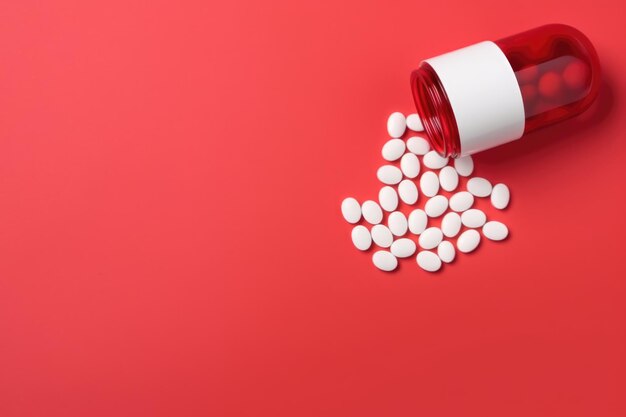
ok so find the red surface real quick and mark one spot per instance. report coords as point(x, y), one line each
point(170, 236)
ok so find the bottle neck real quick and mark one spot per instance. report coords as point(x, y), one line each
point(433, 107)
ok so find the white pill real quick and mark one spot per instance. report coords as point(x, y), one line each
point(478, 186)
point(408, 191)
point(403, 248)
point(468, 241)
point(381, 235)
point(428, 261)
point(473, 218)
point(429, 184)
point(388, 198)
point(393, 149)
point(430, 238)
point(418, 221)
point(436, 206)
point(361, 237)
point(448, 178)
point(372, 212)
point(414, 122)
point(351, 210)
point(389, 174)
point(384, 260)
point(495, 231)
point(446, 251)
point(434, 161)
point(500, 196)
point(451, 224)
point(397, 223)
point(418, 145)
point(461, 201)
point(410, 165)
point(464, 166)
point(396, 125)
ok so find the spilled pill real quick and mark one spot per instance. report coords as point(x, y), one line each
point(372, 212)
point(418, 145)
point(351, 210)
point(397, 223)
point(428, 261)
point(436, 206)
point(446, 251)
point(381, 235)
point(389, 174)
point(388, 198)
point(361, 237)
point(473, 218)
point(500, 196)
point(414, 122)
point(410, 165)
point(393, 149)
point(429, 184)
point(478, 186)
point(495, 231)
point(448, 178)
point(464, 166)
point(396, 125)
point(403, 248)
point(434, 161)
point(407, 191)
point(417, 221)
point(385, 261)
point(468, 241)
point(430, 238)
point(451, 224)
point(461, 201)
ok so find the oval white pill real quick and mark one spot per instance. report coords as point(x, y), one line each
point(393, 149)
point(403, 248)
point(372, 212)
point(351, 210)
point(495, 231)
point(408, 191)
point(396, 125)
point(388, 198)
point(434, 161)
point(436, 206)
point(361, 237)
point(389, 174)
point(478, 186)
point(468, 241)
point(430, 238)
point(464, 166)
point(418, 221)
point(397, 223)
point(385, 261)
point(500, 196)
point(428, 261)
point(414, 122)
point(410, 165)
point(451, 224)
point(429, 184)
point(461, 201)
point(446, 251)
point(473, 218)
point(381, 235)
point(418, 145)
point(448, 178)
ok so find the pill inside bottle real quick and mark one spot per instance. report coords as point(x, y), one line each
point(494, 92)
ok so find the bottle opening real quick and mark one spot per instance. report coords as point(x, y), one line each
point(435, 111)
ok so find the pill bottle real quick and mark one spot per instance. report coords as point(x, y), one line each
point(490, 93)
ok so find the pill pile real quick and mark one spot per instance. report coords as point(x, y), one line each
point(447, 211)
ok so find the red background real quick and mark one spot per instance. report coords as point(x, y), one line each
point(170, 236)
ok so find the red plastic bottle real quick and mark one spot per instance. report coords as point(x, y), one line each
point(491, 93)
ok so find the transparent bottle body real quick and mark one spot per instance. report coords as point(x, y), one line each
point(557, 71)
